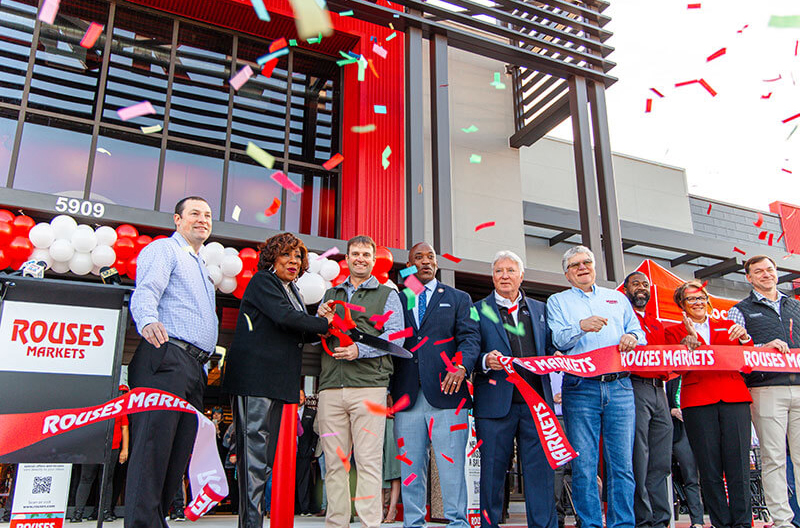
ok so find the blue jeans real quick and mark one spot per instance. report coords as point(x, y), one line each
point(591, 407)
point(268, 493)
point(412, 426)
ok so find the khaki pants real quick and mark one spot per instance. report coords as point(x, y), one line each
point(343, 413)
point(776, 415)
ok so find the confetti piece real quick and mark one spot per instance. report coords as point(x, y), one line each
point(743, 28)
point(368, 431)
point(657, 92)
point(717, 54)
point(249, 323)
point(379, 51)
point(470, 129)
point(791, 326)
point(447, 363)
point(284, 181)
point(443, 341)
point(151, 129)
point(275, 45)
point(329, 434)
point(311, 19)
point(483, 226)
point(447, 458)
point(413, 282)
point(762, 235)
point(380, 320)
point(269, 67)
point(362, 68)
point(92, 34)
point(332, 251)
point(475, 158)
point(363, 129)
point(448, 256)
point(430, 429)
point(497, 83)
point(404, 459)
point(333, 162)
point(708, 87)
point(473, 314)
point(273, 208)
point(709, 209)
point(409, 479)
point(241, 77)
point(767, 96)
point(385, 157)
point(513, 309)
point(778, 78)
point(405, 272)
point(260, 155)
point(317, 40)
point(261, 11)
point(746, 369)
point(390, 37)
point(419, 345)
point(787, 171)
point(489, 313)
point(760, 221)
point(292, 42)
point(791, 21)
point(355, 307)
point(779, 238)
point(459, 427)
point(685, 83)
point(372, 68)
point(492, 382)
point(379, 109)
point(648, 106)
point(346, 13)
point(236, 212)
point(364, 498)
point(262, 60)
point(139, 109)
point(693, 6)
point(480, 442)
point(406, 332)
point(769, 242)
point(345, 62)
point(345, 459)
point(411, 299)
point(458, 359)
point(736, 249)
point(49, 11)
point(400, 443)
point(460, 405)
point(101, 150)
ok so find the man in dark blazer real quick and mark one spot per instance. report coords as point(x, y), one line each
point(446, 344)
point(501, 413)
point(306, 445)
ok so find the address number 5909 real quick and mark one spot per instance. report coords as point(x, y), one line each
point(82, 207)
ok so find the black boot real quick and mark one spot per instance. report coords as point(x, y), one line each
point(93, 516)
point(77, 515)
point(108, 515)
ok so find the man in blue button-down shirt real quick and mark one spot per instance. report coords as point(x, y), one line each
point(175, 312)
point(582, 319)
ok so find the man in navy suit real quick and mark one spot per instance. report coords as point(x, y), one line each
point(441, 322)
point(501, 413)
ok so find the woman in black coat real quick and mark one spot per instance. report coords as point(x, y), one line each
point(262, 367)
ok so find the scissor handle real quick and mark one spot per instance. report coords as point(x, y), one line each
point(344, 339)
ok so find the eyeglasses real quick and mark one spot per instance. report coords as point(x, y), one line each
point(695, 300)
point(575, 265)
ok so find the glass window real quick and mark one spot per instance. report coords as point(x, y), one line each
point(312, 212)
point(126, 169)
point(65, 74)
point(313, 130)
point(8, 129)
point(191, 171)
point(16, 27)
point(53, 156)
point(251, 188)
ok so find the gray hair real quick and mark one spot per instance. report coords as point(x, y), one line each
point(507, 255)
point(571, 252)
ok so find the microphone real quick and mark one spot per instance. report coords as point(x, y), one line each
point(110, 275)
point(31, 268)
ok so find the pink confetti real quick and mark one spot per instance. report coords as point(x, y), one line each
point(328, 434)
point(767, 96)
point(409, 479)
point(379, 51)
point(92, 34)
point(49, 11)
point(328, 253)
point(368, 431)
point(743, 28)
point(380, 319)
point(139, 109)
point(413, 283)
point(241, 77)
point(284, 181)
point(778, 78)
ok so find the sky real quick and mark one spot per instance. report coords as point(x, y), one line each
point(733, 146)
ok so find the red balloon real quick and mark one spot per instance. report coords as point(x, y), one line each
point(343, 273)
point(20, 249)
point(124, 248)
point(130, 268)
point(159, 237)
point(5, 262)
point(6, 233)
point(141, 241)
point(382, 277)
point(383, 260)
point(16, 264)
point(22, 225)
point(127, 231)
point(249, 258)
point(121, 266)
point(6, 216)
point(242, 280)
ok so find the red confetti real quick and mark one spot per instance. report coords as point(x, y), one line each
point(736, 249)
point(355, 307)
point(443, 341)
point(377, 408)
point(363, 498)
point(460, 405)
point(767, 96)
point(408, 332)
point(769, 242)
point(786, 170)
point(458, 359)
point(278, 44)
point(708, 87)
point(268, 68)
point(372, 68)
point(513, 309)
point(409, 479)
point(480, 442)
point(779, 238)
point(492, 382)
point(483, 226)
point(380, 320)
point(284, 181)
point(759, 221)
point(778, 78)
point(743, 28)
point(430, 428)
point(657, 92)
point(447, 363)
point(273, 208)
point(93, 33)
point(796, 42)
point(648, 106)
point(448, 256)
point(685, 83)
point(400, 443)
point(333, 162)
point(693, 6)
point(717, 54)
point(447, 458)
point(368, 431)
point(458, 427)
point(709, 209)
point(417, 347)
point(404, 459)
point(345, 459)
point(486, 516)
point(762, 235)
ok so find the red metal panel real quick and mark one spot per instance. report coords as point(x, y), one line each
point(790, 221)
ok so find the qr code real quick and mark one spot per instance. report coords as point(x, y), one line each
point(476, 487)
point(41, 485)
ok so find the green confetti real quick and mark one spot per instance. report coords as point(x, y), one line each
point(489, 313)
point(792, 133)
point(292, 42)
point(345, 62)
point(470, 129)
point(475, 158)
point(411, 299)
point(497, 83)
point(315, 40)
point(390, 37)
point(519, 330)
point(363, 129)
point(346, 13)
point(473, 314)
point(791, 21)
point(362, 67)
point(260, 155)
point(385, 157)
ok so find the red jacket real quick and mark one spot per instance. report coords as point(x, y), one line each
point(704, 387)
point(654, 332)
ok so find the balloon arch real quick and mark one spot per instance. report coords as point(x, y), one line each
point(67, 246)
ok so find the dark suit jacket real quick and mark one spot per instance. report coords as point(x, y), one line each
point(265, 360)
point(446, 316)
point(307, 442)
point(494, 401)
point(677, 426)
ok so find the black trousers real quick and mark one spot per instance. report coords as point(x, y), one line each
point(682, 452)
point(161, 441)
point(652, 455)
point(720, 438)
point(303, 482)
point(90, 472)
point(258, 422)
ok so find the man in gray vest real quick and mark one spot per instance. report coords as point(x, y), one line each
point(769, 315)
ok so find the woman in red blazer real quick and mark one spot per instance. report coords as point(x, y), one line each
point(715, 408)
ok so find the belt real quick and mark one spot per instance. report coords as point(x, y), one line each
point(611, 377)
point(655, 382)
point(195, 352)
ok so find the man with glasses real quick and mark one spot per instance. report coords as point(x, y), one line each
point(584, 318)
point(768, 316)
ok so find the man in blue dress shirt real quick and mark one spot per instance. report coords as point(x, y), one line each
point(174, 308)
point(584, 318)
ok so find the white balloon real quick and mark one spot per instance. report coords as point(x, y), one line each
point(42, 254)
point(314, 262)
point(84, 239)
point(391, 284)
point(96, 270)
point(231, 251)
point(80, 263)
point(41, 235)
point(227, 284)
point(231, 265)
point(214, 253)
point(330, 270)
point(328, 285)
point(61, 250)
point(103, 256)
point(215, 273)
point(106, 236)
point(312, 287)
point(60, 267)
point(63, 226)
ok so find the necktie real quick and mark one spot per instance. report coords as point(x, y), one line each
point(422, 304)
